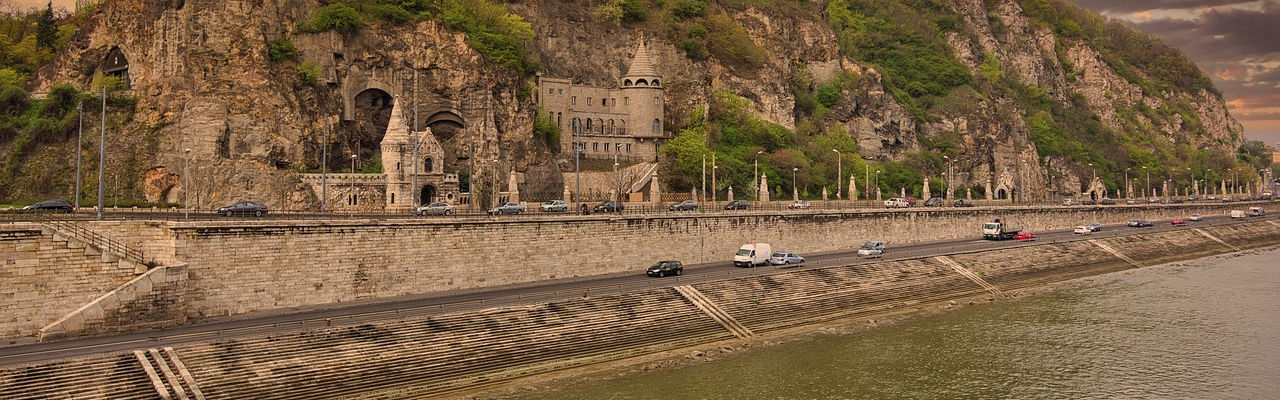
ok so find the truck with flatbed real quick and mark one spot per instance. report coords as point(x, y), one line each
point(997, 230)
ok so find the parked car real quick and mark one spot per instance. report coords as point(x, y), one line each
point(1177, 222)
point(785, 258)
point(52, 205)
point(687, 205)
point(1237, 214)
point(897, 202)
point(1195, 217)
point(508, 208)
point(1088, 202)
point(1024, 235)
point(1256, 212)
point(1212, 197)
point(1094, 227)
point(962, 203)
point(244, 208)
point(553, 206)
point(1130, 201)
point(1140, 223)
point(1083, 230)
point(1154, 200)
point(664, 268)
point(1177, 200)
point(874, 248)
point(736, 205)
point(1227, 199)
point(1069, 202)
point(799, 205)
point(934, 202)
point(437, 208)
point(1107, 202)
point(608, 206)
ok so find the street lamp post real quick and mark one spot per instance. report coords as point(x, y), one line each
point(715, 195)
point(577, 172)
point(947, 184)
point(102, 150)
point(1127, 190)
point(79, 141)
point(353, 180)
point(1095, 177)
point(755, 178)
point(185, 180)
point(324, 167)
point(616, 176)
point(794, 190)
point(839, 172)
point(866, 178)
point(877, 184)
point(416, 142)
point(1147, 190)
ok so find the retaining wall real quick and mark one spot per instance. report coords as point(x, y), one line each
point(427, 356)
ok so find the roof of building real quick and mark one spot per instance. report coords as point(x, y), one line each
point(642, 65)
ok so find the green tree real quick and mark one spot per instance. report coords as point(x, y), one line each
point(47, 29)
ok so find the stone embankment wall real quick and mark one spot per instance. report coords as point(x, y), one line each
point(242, 267)
point(434, 355)
point(44, 276)
point(151, 300)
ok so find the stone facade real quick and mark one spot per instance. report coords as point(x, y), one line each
point(626, 122)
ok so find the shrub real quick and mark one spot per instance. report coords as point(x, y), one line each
point(545, 130)
point(13, 101)
point(685, 9)
point(730, 43)
point(491, 30)
point(388, 12)
point(634, 10)
point(829, 95)
point(281, 49)
point(308, 72)
point(694, 48)
point(337, 16)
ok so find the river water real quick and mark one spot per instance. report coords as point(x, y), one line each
point(1201, 329)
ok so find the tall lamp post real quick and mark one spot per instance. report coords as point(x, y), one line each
point(79, 141)
point(185, 178)
point(877, 184)
point(1146, 191)
point(794, 190)
point(353, 180)
point(102, 151)
point(715, 195)
point(756, 174)
point(324, 168)
point(839, 172)
point(1127, 190)
point(1091, 180)
point(947, 184)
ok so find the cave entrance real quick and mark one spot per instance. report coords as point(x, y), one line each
point(448, 128)
point(369, 125)
point(117, 65)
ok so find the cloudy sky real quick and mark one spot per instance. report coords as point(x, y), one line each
point(1236, 42)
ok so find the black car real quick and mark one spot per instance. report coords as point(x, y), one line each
point(962, 203)
point(736, 205)
point(608, 206)
point(244, 208)
point(1140, 223)
point(664, 268)
point(1107, 202)
point(687, 205)
point(1088, 202)
point(934, 202)
point(54, 205)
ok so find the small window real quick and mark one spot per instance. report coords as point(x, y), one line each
point(595, 146)
point(551, 92)
point(657, 126)
point(393, 198)
point(626, 100)
point(657, 101)
point(628, 147)
point(588, 101)
point(573, 100)
point(606, 147)
point(560, 92)
point(613, 101)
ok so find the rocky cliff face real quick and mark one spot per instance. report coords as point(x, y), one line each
point(238, 125)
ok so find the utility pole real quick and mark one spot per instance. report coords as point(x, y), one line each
point(102, 149)
point(79, 142)
point(703, 193)
point(755, 177)
point(416, 141)
point(714, 195)
point(839, 172)
point(324, 166)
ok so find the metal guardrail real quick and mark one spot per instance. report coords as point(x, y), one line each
point(98, 240)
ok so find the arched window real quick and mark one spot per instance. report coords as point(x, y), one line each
point(657, 126)
point(559, 121)
point(655, 82)
point(626, 82)
point(599, 126)
point(626, 100)
point(622, 127)
point(642, 82)
point(428, 165)
point(589, 125)
point(393, 198)
point(610, 127)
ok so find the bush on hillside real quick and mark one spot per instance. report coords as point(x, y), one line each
point(337, 16)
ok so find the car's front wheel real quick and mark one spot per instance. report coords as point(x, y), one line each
point(257, 213)
point(228, 214)
point(679, 271)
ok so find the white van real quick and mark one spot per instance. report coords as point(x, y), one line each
point(897, 202)
point(752, 254)
point(1237, 213)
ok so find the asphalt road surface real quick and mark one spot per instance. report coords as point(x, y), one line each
point(532, 293)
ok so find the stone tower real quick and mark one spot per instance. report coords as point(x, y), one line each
point(642, 93)
point(397, 156)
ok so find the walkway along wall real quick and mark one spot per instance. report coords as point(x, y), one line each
point(432, 355)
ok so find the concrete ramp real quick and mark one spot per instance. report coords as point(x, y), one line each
point(173, 380)
point(1116, 253)
point(714, 311)
point(969, 274)
point(1215, 238)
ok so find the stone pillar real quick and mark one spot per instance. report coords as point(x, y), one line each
point(902, 192)
point(968, 193)
point(513, 188)
point(824, 193)
point(853, 188)
point(878, 198)
point(655, 192)
point(764, 187)
point(795, 194)
point(1224, 188)
point(730, 193)
point(988, 187)
point(926, 193)
point(567, 194)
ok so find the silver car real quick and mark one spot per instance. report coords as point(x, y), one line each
point(436, 208)
point(553, 206)
point(508, 208)
point(873, 248)
point(785, 258)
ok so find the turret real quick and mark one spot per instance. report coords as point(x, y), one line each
point(642, 95)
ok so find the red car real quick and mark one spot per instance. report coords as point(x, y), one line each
point(1024, 235)
point(1177, 222)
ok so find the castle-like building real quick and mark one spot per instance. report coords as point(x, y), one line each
point(603, 122)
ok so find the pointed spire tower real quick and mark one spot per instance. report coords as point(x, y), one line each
point(643, 96)
point(396, 158)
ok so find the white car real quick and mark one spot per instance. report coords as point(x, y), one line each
point(1083, 230)
point(1195, 217)
point(871, 249)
